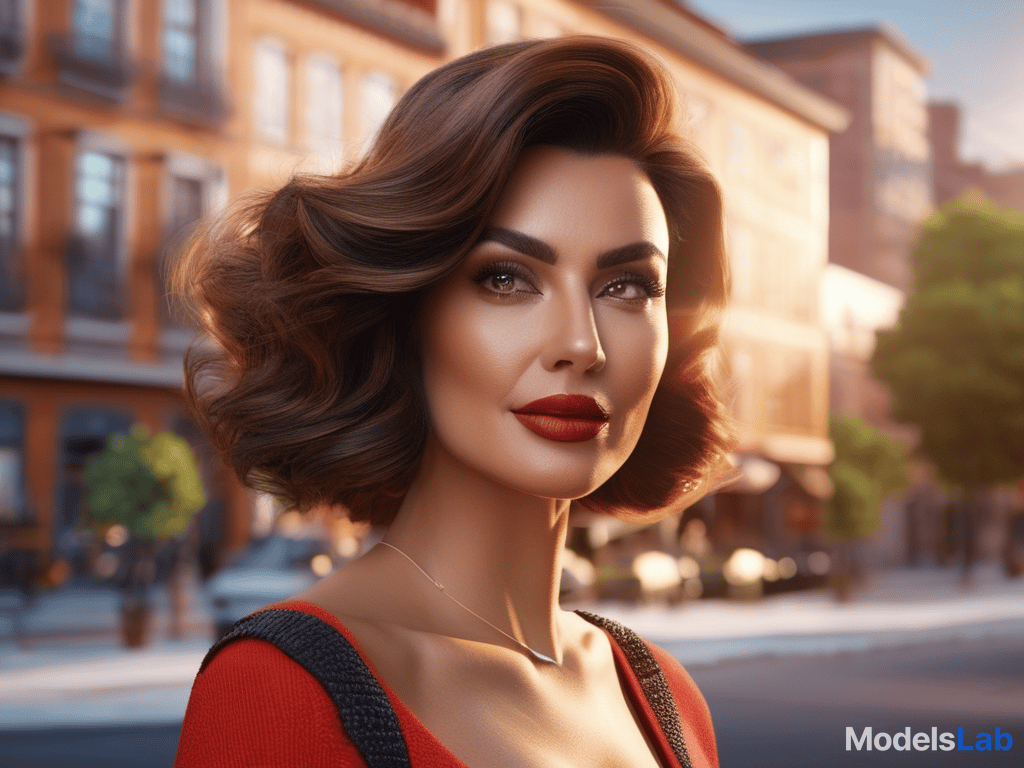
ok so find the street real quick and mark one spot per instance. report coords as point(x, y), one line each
point(769, 712)
point(794, 711)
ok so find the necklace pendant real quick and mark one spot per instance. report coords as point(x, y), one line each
point(541, 657)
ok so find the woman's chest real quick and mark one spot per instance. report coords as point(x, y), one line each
point(491, 722)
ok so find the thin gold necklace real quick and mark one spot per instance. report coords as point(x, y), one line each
point(536, 654)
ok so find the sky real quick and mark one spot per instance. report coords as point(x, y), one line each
point(976, 49)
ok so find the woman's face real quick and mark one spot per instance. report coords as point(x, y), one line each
point(541, 354)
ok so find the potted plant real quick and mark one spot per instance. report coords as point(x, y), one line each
point(152, 487)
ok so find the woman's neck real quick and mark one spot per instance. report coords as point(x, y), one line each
point(494, 549)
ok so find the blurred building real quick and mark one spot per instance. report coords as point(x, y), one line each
point(881, 187)
point(953, 177)
point(881, 191)
point(124, 121)
point(113, 142)
point(313, 81)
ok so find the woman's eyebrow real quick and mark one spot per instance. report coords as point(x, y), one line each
point(627, 253)
point(517, 241)
point(538, 249)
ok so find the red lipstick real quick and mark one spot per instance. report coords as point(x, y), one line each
point(563, 418)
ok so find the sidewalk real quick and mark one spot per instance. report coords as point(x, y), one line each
point(73, 671)
point(900, 607)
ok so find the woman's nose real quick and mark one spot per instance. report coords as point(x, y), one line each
point(574, 339)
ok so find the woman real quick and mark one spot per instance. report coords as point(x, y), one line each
point(503, 314)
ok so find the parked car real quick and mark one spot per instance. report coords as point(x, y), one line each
point(267, 571)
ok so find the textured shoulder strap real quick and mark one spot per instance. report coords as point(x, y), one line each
point(363, 707)
point(652, 682)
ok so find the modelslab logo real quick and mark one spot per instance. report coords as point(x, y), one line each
point(923, 741)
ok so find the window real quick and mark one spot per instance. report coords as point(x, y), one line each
point(12, 284)
point(12, 35)
point(12, 461)
point(94, 262)
point(92, 56)
point(192, 188)
point(379, 96)
point(324, 109)
point(96, 25)
point(741, 150)
point(545, 28)
point(742, 262)
point(181, 40)
point(503, 23)
point(192, 85)
point(186, 202)
point(186, 209)
point(272, 92)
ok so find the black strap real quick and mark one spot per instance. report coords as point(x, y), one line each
point(652, 682)
point(363, 707)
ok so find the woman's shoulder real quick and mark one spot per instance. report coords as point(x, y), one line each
point(692, 709)
point(253, 705)
point(694, 714)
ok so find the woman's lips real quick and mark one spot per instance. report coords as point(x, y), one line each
point(563, 418)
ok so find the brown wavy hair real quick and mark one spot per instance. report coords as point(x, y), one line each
point(311, 389)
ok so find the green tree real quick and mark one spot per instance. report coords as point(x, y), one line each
point(955, 361)
point(868, 466)
point(151, 486)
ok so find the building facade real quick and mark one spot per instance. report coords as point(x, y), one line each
point(881, 192)
point(114, 142)
point(881, 187)
point(125, 121)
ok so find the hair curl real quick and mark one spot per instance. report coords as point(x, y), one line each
point(310, 389)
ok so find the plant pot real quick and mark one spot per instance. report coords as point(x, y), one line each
point(135, 625)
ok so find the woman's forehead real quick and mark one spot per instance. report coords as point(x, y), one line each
point(562, 197)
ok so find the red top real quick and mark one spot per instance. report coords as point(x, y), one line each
point(253, 706)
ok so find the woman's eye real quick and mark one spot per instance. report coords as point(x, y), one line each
point(625, 290)
point(504, 280)
point(635, 289)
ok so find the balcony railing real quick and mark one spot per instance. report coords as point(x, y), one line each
point(94, 64)
point(94, 284)
point(201, 102)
